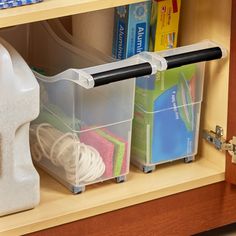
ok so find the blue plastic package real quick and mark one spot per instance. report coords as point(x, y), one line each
point(16, 3)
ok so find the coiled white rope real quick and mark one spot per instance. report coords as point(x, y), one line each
point(81, 162)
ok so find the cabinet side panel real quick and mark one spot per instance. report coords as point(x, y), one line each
point(230, 174)
point(202, 20)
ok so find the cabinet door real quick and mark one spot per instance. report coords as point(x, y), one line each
point(230, 173)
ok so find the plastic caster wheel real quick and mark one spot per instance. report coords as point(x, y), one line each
point(189, 159)
point(78, 190)
point(148, 169)
point(120, 179)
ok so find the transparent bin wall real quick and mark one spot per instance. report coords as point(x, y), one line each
point(82, 158)
point(96, 107)
point(156, 138)
point(167, 114)
point(61, 32)
point(184, 83)
point(51, 55)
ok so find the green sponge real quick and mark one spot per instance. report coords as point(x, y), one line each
point(119, 151)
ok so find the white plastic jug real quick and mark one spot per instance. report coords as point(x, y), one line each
point(19, 104)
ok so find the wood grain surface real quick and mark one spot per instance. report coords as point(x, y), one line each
point(181, 214)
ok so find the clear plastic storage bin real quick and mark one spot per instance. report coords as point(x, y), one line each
point(167, 108)
point(83, 133)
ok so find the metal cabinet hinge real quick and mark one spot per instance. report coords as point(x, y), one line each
point(216, 138)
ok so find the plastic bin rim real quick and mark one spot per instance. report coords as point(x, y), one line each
point(166, 109)
point(88, 129)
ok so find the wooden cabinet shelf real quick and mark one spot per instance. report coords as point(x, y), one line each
point(49, 9)
point(59, 206)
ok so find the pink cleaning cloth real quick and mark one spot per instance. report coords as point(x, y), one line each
point(125, 162)
point(103, 146)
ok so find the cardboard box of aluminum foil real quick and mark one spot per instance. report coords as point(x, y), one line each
point(164, 24)
point(131, 29)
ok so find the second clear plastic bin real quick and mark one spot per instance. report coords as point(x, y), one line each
point(167, 109)
point(83, 133)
